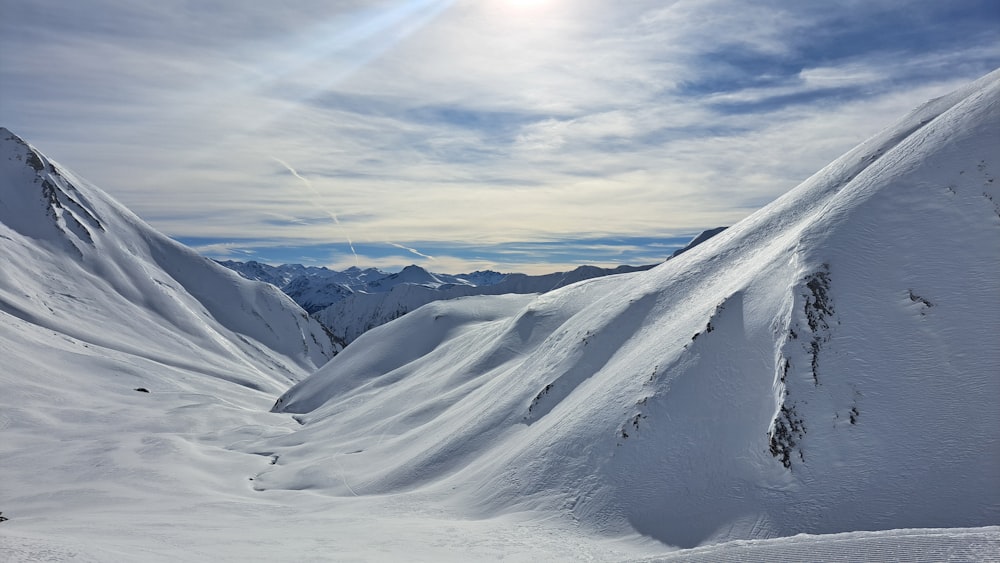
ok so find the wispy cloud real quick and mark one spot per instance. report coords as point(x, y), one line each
point(313, 192)
point(411, 250)
point(436, 123)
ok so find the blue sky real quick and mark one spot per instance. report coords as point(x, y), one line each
point(516, 135)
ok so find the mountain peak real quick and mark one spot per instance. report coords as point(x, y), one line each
point(413, 269)
point(702, 237)
point(41, 201)
point(414, 274)
point(82, 254)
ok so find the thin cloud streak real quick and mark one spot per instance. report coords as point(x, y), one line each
point(332, 215)
point(411, 250)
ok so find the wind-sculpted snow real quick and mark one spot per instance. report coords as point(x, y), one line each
point(828, 364)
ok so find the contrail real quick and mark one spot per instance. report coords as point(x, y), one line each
point(332, 215)
point(413, 250)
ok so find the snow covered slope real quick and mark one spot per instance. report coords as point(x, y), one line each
point(829, 364)
point(313, 288)
point(79, 265)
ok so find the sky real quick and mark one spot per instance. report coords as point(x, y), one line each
point(460, 135)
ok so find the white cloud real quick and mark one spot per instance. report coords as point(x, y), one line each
point(475, 123)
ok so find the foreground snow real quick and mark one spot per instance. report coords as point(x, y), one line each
point(342, 532)
point(827, 366)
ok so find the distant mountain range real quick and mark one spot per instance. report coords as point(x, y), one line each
point(353, 301)
point(315, 288)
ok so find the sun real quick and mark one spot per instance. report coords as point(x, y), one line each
point(522, 5)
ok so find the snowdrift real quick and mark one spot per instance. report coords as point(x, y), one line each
point(829, 364)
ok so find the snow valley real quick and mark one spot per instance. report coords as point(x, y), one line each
point(828, 366)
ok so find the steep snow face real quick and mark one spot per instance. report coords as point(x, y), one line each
point(80, 265)
point(829, 364)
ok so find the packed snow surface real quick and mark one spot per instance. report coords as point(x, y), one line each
point(827, 367)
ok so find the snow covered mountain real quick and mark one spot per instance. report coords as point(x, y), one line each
point(79, 266)
point(829, 364)
point(313, 288)
point(316, 289)
point(354, 279)
point(414, 287)
point(353, 301)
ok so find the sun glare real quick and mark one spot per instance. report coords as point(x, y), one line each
point(525, 4)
